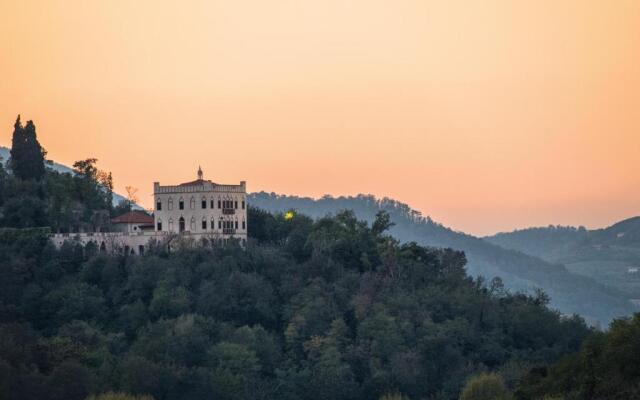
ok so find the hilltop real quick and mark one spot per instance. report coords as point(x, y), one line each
point(5, 154)
point(609, 255)
point(570, 292)
point(312, 310)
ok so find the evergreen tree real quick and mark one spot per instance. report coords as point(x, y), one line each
point(27, 156)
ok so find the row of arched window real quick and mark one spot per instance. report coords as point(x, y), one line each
point(205, 224)
point(223, 203)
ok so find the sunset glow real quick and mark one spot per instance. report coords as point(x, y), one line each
point(487, 115)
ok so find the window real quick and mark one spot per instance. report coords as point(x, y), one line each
point(170, 224)
point(243, 204)
point(204, 224)
point(181, 224)
point(159, 205)
point(219, 206)
point(236, 224)
point(235, 204)
point(192, 224)
point(244, 224)
point(204, 203)
point(212, 204)
point(192, 203)
point(159, 226)
point(181, 204)
point(170, 203)
point(219, 224)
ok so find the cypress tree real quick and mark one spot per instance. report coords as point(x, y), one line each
point(27, 156)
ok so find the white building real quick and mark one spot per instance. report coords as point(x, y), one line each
point(201, 210)
point(201, 207)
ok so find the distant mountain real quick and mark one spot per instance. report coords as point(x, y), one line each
point(570, 292)
point(610, 255)
point(5, 154)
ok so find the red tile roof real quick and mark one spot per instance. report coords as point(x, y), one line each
point(133, 217)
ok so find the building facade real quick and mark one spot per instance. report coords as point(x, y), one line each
point(201, 207)
point(200, 210)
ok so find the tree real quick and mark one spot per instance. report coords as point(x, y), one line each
point(132, 194)
point(94, 187)
point(27, 156)
point(394, 396)
point(118, 396)
point(3, 182)
point(71, 381)
point(485, 387)
point(381, 223)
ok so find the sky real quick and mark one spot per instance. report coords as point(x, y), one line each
point(487, 115)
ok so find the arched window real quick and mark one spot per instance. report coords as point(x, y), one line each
point(181, 204)
point(192, 203)
point(170, 224)
point(192, 225)
point(159, 224)
point(181, 224)
point(204, 202)
point(204, 223)
point(213, 204)
point(170, 204)
point(244, 224)
point(213, 223)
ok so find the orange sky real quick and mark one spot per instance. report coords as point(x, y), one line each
point(485, 114)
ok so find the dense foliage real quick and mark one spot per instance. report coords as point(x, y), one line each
point(607, 367)
point(331, 309)
point(485, 387)
point(34, 196)
point(569, 292)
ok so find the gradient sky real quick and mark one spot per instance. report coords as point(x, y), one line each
point(485, 114)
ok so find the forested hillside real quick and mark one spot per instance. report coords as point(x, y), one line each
point(606, 367)
point(5, 155)
point(66, 200)
point(332, 309)
point(610, 255)
point(33, 194)
point(325, 308)
point(569, 292)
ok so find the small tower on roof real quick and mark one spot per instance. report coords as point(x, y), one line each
point(199, 173)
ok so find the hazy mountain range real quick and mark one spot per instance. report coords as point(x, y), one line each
point(610, 255)
point(573, 288)
point(584, 272)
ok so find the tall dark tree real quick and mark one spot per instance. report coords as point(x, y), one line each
point(3, 180)
point(27, 156)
